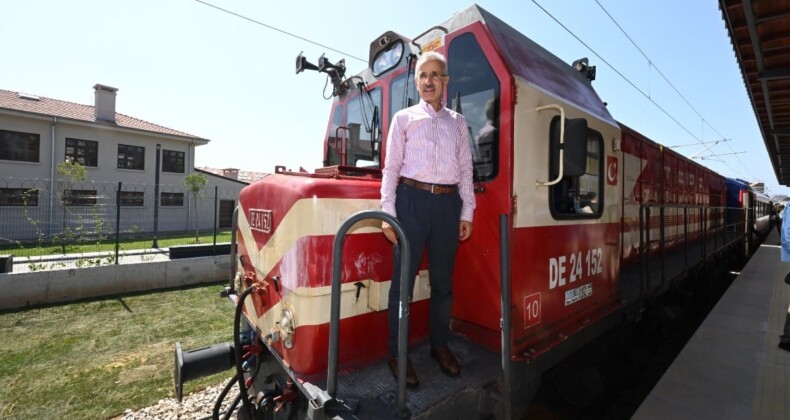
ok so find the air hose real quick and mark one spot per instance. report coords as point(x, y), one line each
point(238, 350)
point(222, 395)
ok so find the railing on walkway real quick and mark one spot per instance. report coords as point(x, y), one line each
point(403, 304)
point(696, 233)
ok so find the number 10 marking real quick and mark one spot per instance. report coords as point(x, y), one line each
point(531, 310)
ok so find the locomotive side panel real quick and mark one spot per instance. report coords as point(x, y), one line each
point(565, 240)
point(642, 174)
point(667, 182)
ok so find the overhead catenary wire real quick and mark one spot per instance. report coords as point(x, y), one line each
point(280, 30)
point(650, 62)
point(619, 73)
point(654, 66)
point(642, 92)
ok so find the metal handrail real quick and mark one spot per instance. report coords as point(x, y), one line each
point(504, 267)
point(707, 214)
point(403, 304)
point(233, 250)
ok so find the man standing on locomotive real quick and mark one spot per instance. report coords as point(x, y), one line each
point(427, 185)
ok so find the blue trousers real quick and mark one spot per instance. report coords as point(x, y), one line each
point(429, 221)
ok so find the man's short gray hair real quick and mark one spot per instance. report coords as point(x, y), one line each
point(429, 56)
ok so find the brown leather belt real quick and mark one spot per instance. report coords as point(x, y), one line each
point(431, 188)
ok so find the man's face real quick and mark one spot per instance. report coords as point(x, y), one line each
point(431, 81)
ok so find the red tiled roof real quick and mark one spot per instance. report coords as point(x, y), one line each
point(244, 176)
point(62, 109)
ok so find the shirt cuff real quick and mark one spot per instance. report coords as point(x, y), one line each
point(466, 214)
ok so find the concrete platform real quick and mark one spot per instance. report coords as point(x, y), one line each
point(732, 368)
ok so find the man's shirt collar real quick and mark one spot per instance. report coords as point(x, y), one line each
point(429, 109)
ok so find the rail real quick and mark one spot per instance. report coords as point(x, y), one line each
point(403, 311)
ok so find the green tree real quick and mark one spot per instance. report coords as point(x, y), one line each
point(68, 173)
point(194, 183)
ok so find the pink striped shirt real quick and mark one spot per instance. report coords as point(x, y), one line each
point(432, 147)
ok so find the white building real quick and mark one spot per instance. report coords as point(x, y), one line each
point(38, 133)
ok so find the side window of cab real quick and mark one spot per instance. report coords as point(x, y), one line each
point(579, 193)
point(473, 91)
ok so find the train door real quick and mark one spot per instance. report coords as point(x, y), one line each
point(480, 88)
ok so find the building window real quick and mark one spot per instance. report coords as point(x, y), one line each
point(226, 213)
point(172, 161)
point(18, 197)
point(23, 147)
point(84, 152)
point(172, 199)
point(132, 198)
point(79, 197)
point(131, 157)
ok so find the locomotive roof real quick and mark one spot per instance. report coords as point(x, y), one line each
point(534, 64)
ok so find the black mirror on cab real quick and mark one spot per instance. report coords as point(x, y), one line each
point(574, 147)
point(302, 64)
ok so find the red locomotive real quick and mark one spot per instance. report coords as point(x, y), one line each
point(580, 223)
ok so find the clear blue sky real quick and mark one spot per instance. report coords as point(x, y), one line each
point(188, 66)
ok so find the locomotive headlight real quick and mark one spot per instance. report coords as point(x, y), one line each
point(287, 327)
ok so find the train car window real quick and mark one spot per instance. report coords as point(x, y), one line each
point(397, 92)
point(580, 196)
point(334, 138)
point(474, 91)
point(359, 144)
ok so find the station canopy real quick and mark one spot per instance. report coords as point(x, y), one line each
point(760, 35)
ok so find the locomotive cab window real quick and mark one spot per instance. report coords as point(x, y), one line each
point(579, 194)
point(361, 151)
point(353, 144)
point(402, 95)
point(334, 138)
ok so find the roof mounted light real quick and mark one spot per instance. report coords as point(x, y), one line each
point(388, 58)
point(582, 65)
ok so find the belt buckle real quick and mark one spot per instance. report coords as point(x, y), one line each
point(432, 186)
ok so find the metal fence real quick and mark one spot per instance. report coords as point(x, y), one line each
point(41, 217)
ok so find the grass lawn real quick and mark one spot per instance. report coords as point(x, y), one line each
point(127, 244)
point(94, 359)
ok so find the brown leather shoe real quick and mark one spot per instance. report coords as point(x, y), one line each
point(446, 360)
point(411, 374)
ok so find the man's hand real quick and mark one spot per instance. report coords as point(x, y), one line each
point(389, 232)
point(464, 230)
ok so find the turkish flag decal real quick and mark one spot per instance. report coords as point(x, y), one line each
point(611, 170)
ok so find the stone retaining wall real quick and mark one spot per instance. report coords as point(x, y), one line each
point(19, 290)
